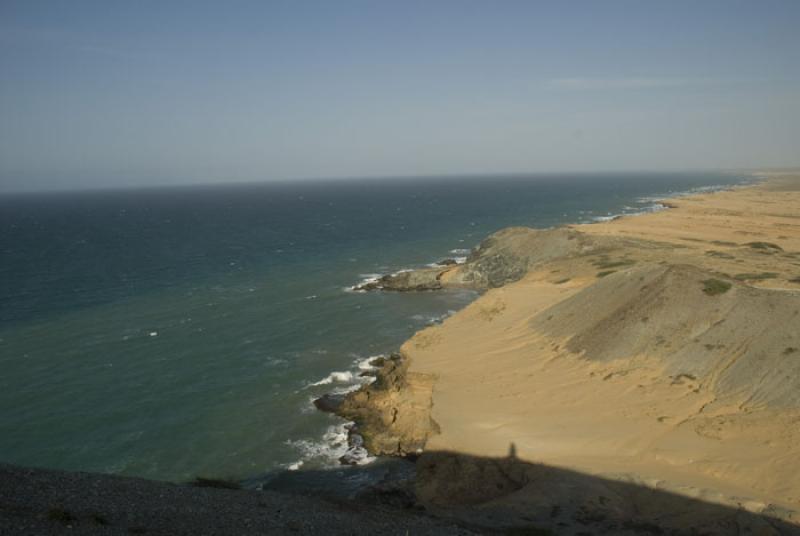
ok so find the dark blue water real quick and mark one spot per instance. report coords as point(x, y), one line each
point(168, 333)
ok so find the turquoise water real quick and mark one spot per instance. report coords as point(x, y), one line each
point(167, 333)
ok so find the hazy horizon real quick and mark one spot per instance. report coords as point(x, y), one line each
point(104, 95)
point(441, 177)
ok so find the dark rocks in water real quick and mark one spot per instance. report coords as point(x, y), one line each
point(502, 258)
point(356, 453)
point(411, 280)
point(377, 362)
point(329, 403)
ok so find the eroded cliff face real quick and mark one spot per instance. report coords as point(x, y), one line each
point(642, 376)
point(393, 414)
point(509, 254)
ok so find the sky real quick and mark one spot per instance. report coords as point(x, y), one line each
point(113, 93)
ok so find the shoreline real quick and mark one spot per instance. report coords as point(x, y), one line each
point(400, 280)
point(552, 404)
point(440, 359)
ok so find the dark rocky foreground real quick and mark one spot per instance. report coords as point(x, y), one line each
point(467, 494)
point(43, 502)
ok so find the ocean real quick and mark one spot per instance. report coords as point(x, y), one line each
point(174, 332)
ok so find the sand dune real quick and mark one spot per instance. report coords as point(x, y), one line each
point(662, 349)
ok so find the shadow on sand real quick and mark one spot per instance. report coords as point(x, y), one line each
point(508, 495)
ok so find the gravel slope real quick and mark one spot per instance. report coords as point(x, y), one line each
point(43, 502)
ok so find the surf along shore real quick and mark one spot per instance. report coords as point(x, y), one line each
point(641, 374)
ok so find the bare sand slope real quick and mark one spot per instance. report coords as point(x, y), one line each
point(749, 230)
point(662, 349)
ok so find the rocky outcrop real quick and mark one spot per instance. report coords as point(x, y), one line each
point(509, 254)
point(410, 280)
point(392, 414)
point(502, 258)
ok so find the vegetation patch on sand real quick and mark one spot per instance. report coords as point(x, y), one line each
point(765, 246)
point(713, 287)
point(719, 254)
point(755, 276)
point(605, 264)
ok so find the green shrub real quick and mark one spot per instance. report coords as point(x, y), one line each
point(764, 246)
point(719, 254)
point(614, 264)
point(755, 277)
point(713, 287)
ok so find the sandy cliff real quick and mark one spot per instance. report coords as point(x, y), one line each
point(660, 352)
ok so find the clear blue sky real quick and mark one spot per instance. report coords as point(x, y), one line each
point(114, 93)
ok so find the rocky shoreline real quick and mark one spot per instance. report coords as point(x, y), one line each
point(394, 415)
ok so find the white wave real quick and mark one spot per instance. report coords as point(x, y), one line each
point(366, 363)
point(610, 217)
point(372, 278)
point(460, 251)
point(366, 279)
point(326, 451)
point(339, 377)
point(329, 449)
point(352, 387)
point(655, 206)
point(432, 319)
point(655, 203)
point(351, 378)
point(309, 408)
point(658, 199)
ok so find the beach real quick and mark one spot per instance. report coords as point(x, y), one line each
point(659, 350)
